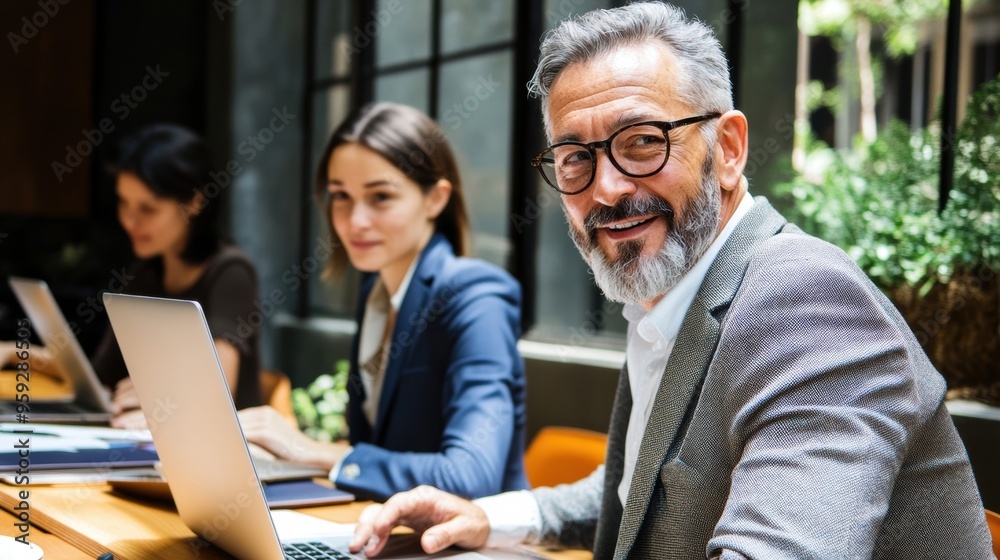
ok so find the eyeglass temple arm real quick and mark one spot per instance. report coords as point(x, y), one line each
point(693, 120)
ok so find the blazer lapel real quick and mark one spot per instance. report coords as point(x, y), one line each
point(691, 354)
point(610, 517)
point(360, 430)
point(688, 362)
point(403, 340)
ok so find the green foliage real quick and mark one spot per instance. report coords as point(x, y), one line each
point(817, 96)
point(879, 202)
point(897, 20)
point(977, 170)
point(321, 408)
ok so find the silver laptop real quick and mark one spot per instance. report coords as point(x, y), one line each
point(204, 456)
point(92, 403)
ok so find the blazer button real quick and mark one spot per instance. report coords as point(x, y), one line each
point(350, 471)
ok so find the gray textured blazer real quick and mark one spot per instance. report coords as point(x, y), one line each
point(797, 418)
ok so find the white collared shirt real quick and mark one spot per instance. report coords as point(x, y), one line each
point(651, 337)
point(372, 329)
point(514, 516)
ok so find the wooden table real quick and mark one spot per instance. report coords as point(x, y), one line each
point(76, 522)
point(85, 521)
point(54, 547)
point(46, 386)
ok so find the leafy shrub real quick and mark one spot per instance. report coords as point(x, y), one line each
point(879, 202)
point(321, 408)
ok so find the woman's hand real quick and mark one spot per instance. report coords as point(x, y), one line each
point(125, 409)
point(129, 420)
point(39, 358)
point(266, 427)
point(8, 353)
point(124, 399)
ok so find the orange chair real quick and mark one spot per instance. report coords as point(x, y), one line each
point(993, 520)
point(560, 455)
point(276, 390)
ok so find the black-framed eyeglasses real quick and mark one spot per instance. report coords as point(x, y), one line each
point(638, 150)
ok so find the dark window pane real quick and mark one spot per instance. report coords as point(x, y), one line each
point(326, 296)
point(558, 10)
point(470, 23)
point(569, 307)
point(410, 88)
point(474, 112)
point(334, 41)
point(401, 30)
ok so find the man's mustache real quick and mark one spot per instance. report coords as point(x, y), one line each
point(631, 207)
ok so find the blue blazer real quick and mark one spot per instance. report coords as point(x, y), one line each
point(452, 409)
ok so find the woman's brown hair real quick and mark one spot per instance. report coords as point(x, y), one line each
point(415, 145)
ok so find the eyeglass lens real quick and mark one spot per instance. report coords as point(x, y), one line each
point(638, 150)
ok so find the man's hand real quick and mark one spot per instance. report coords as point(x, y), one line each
point(445, 520)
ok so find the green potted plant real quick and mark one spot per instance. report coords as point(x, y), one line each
point(321, 408)
point(879, 203)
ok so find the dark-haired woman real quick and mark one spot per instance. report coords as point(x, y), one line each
point(437, 393)
point(162, 172)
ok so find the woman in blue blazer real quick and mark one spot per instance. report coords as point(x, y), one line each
point(437, 390)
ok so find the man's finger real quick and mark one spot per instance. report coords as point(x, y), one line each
point(384, 520)
point(400, 509)
point(440, 537)
point(462, 530)
point(369, 514)
point(363, 530)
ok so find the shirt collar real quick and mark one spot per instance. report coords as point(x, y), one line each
point(663, 321)
point(397, 299)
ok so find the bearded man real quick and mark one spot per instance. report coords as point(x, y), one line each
point(774, 404)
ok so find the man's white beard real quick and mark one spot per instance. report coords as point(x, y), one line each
point(634, 278)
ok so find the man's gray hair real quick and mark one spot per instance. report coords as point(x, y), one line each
point(703, 81)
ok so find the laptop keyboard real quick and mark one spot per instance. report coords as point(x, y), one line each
point(313, 551)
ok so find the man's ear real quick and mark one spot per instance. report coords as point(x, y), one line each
point(731, 148)
point(437, 198)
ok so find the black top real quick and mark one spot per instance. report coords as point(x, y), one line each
point(226, 291)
